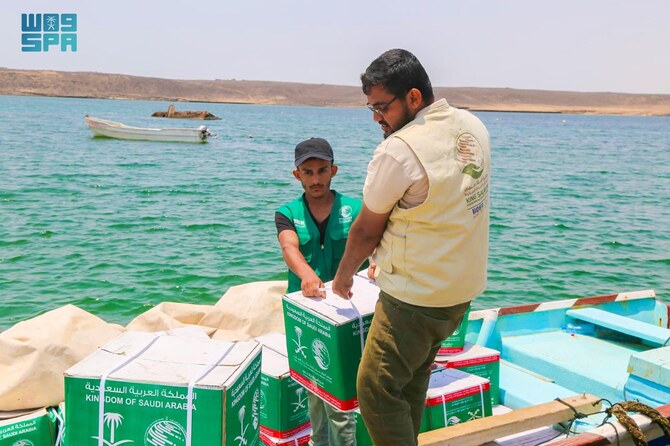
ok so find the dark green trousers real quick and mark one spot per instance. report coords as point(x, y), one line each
point(395, 369)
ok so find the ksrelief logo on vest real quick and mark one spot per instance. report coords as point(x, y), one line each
point(469, 154)
point(345, 213)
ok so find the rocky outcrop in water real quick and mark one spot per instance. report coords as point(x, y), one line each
point(186, 114)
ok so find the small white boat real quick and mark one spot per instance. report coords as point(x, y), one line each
point(111, 129)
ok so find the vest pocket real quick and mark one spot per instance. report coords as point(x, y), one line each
point(392, 249)
point(383, 256)
point(398, 251)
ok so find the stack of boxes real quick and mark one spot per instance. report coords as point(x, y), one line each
point(455, 397)
point(151, 389)
point(323, 341)
point(283, 404)
point(477, 360)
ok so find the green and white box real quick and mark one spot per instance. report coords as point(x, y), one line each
point(283, 401)
point(35, 428)
point(299, 439)
point(455, 342)
point(455, 397)
point(153, 389)
point(477, 360)
point(324, 340)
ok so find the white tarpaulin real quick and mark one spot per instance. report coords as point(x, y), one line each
point(35, 353)
point(247, 311)
point(171, 315)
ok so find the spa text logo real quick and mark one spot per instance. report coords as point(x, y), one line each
point(40, 32)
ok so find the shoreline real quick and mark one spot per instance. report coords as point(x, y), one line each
point(90, 85)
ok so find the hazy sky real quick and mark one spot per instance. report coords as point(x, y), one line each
point(580, 45)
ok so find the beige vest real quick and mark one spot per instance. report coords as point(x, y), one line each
point(435, 254)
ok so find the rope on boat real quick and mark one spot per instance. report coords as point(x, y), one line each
point(619, 411)
point(627, 422)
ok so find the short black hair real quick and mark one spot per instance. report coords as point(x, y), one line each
point(398, 71)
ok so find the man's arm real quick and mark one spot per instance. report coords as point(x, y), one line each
point(364, 236)
point(290, 250)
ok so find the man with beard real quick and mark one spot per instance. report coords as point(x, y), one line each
point(312, 231)
point(426, 212)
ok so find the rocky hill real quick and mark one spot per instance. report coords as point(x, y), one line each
point(118, 86)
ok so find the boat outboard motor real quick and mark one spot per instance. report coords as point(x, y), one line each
point(205, 132)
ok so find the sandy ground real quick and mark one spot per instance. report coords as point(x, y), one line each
point(117, 86)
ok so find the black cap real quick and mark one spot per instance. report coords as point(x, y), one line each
point(313, 148)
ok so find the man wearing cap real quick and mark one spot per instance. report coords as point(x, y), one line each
point(426, 212)
point(312, 232)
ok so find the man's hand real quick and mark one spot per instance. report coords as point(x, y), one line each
point(372, 269)
point(342, 286)
point(310, 286)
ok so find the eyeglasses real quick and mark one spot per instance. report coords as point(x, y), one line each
point(381, 108)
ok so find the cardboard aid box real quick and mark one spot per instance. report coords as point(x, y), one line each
point(299, 439)
point(283, 401)
point(455, 342)
point(324, 340)
point(28, 428)
point(477, 360)
point(153, 389)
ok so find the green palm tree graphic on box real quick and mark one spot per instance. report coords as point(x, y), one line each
point(23, 443)
point(112, 421)
point(299, 347)
point(243, 429)
point(300, 404)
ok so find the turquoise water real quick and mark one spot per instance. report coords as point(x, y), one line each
point(579, 203)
